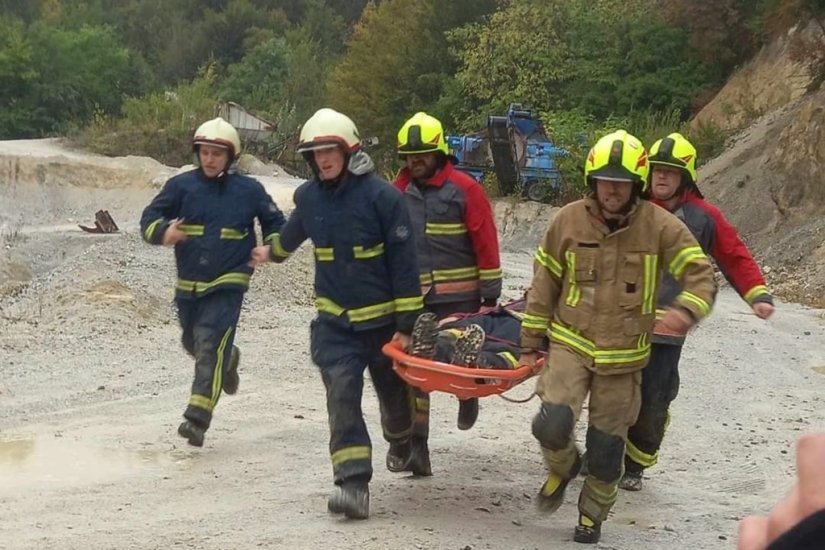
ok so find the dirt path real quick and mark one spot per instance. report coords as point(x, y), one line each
point(94, 382)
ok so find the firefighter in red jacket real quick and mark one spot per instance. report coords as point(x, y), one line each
point(456, 238)
point(673, 187)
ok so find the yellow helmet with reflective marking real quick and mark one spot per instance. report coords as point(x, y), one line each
point(675, 151)
point(618, 157)
point(422, 134)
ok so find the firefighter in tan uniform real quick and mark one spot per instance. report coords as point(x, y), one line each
point(594, 295)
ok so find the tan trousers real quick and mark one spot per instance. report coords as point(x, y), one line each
point(614, 405)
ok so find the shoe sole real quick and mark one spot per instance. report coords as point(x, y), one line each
point(423, 336)
point(468, 346)
point(337, 504)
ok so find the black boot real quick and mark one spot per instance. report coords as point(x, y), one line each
point(192, 432)
point(587, 531)
point(399, 456)
point(351, 498)
point(420, 457)
point(424, 336)
point(467, 413)
point(551, 494)
point(232, 380)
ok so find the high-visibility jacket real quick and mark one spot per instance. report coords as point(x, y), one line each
point(366, 275)
point(219, 218)
point(594, 289)
point(456, 238)
point(720, 240)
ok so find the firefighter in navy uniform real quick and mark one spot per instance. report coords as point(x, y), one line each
point(366, 283)
point(456, 241)
point(673, 187)
point(593, 293)
point(208, 215)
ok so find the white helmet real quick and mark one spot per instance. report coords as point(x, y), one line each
point(328, 128)
point(220, 133)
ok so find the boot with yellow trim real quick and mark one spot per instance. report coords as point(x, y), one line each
point(551, 494)
point(192, 432)
point(351, 498)
point(588, 531)
point(232, 380)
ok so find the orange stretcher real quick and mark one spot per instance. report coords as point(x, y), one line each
point(463, 382)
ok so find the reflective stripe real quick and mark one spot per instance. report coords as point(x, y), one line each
point(564, 335)
point(422, 404)
point(233, 234)
point(510, 358)
point(217, 376)
point(537, 322)
point(544, 258)
point(361, 314)
point(453, 288)
point(648, 294)
point(201, 402)
point(446, 229)
point(755, 292)
point(640, 457)
point(455, 274)
point(191, 230)
point(324, 254)
point(683, 258)
point(274, 240)
point(359, 452)
point(704, 307)
point(574, 293)
point(409, 304)
point(489, 274)
point(425, 279)
point(601, 497)
point(362, 253)
point(202, 286)
point(150, 231)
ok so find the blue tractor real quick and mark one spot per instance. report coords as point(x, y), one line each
point(517, 149)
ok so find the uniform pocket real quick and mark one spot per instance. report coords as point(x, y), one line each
point(630, 282)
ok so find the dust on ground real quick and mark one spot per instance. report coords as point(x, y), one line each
point(95, 380)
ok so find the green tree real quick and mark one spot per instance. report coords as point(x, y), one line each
point(256, 81)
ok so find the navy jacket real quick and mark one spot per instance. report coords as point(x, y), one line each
point(366, 273)
point(219, 217)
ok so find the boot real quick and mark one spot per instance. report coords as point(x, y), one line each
point(631, 481)
point(352, 498)
point(424, 336)
point(584, 471)
point(587, 531)
point(231, 380)
point(399, 456)
point(551, 494)
point(419, 463)
point(467, 350)
point(192, 432)
point(467, 413)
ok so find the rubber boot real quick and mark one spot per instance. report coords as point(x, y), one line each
point(192, 432)
point(467, 351)
point(551, 494)
point(351, 498)
point(424, 335)
point(399, 455)
point(232, 380)
point(587, 531)
point(631, 481)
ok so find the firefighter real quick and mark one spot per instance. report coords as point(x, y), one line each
point(456, 240)
point(208, 215)
point(367, 291)
point(596, 273)
point(673, 187)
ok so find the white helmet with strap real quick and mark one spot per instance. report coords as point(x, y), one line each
point(219, 133)
point(328, 128)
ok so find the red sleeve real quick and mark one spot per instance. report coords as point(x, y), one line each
point(734, 259)
point(481, 226)
point(402, 180)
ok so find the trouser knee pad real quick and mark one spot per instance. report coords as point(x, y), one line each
point(553, 426)
point(605, 455)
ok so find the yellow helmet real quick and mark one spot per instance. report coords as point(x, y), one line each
point(675, 151)
point(619, 157)
point(422, 134)
point(220, 133)
point(328, 128)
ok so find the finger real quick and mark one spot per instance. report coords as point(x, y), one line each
point(810, 465)
point(753, 533)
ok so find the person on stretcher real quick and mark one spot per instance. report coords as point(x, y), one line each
point(488, 340)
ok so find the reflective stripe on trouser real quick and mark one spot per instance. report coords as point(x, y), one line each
point(208, 324)
point(342, 354)
point(421, 428)
point(660, 386)
point(613, 407)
